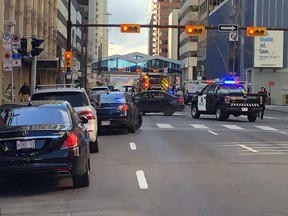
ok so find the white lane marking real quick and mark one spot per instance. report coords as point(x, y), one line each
point(250, 149)
point(199, 126)
point(133, 146)
point(141, 179)
point(233, 127)
point(283, 133)
point(164, 126)
point(267, 128)
point(213, 133)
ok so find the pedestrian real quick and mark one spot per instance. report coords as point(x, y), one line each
point(264, 95)
point(8, 94)
point(24, 92)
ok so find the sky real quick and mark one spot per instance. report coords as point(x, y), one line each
point(128, 12)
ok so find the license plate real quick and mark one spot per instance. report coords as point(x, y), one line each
point(25, 144)
point(105, 122)
point(244, 109)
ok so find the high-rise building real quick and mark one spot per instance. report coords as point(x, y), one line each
point(160, 16)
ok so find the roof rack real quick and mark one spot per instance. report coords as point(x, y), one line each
point(70, 85)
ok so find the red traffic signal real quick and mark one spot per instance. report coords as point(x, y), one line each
point(256, 31)
point(195, 30)
point(130, 28)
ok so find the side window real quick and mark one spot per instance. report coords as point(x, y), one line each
point(145, 95)
point(74, 114)
point(205, 89)
point(211, 89)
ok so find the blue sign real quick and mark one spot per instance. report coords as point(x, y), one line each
point(16, 56)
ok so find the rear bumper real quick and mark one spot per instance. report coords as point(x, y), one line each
point(105, 123)
point(62, 164)
point(242, 110)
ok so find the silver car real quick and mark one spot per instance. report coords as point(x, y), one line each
point(79, 99)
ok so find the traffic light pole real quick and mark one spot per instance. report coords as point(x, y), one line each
point(68, 45)
point(33, 74)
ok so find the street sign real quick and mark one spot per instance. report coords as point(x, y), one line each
point(270, 83)
point(9, 22)
point(16, 41)
point(16, 60)
point(233, 36)
point(7, 56)
point(228, 28)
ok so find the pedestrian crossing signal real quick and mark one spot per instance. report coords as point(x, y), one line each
point(130, 28)
point(195, 30)
point(256, 31)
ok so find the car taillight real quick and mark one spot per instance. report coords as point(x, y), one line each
point(71, 141)
point(86, 113)
point(227, 99)
point(180, 100)
point(123, 107)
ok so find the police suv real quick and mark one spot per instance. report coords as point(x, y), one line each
point(225, 99)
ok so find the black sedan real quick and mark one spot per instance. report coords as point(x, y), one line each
point(45, 137)
point(116, 110)
point(158, 101)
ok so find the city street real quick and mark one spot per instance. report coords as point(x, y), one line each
point(172, 166)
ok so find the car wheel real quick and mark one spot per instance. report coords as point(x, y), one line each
point(194, 111)
point(82, 181)
point(168, 110)
point(132, 129)
point(252, 117)
point(94, 146)
point(220, 115)
point(139, 123)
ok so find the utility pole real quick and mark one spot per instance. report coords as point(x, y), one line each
point(68, 45)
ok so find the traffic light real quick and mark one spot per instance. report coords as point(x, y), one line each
point(130, 28)
point(68, 56)
point(35, 51)
point(256, 31)
point(195, 30)
point(23, 48)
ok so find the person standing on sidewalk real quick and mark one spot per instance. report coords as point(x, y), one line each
point(264, 95)
point(24, 92)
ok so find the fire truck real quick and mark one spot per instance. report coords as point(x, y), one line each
point(154, 81)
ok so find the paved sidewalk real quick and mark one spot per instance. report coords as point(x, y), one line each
point(278, 108)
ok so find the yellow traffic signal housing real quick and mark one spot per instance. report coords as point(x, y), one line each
point(256, 31)
point(68, 59)
point(195, 30)
point(130, 28)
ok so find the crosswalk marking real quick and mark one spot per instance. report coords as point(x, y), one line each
point(164, 126)
point(199, 126)
point(266, 128)
point(233, 127)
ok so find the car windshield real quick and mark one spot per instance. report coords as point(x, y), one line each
point(225, 89)
point(34, 116)
point(76, 99)
point(112, 98)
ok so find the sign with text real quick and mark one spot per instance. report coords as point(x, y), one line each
point(270, 83)
point(268, 51)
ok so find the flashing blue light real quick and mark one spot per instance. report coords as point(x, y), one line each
point(118, 100)
point(230, 82)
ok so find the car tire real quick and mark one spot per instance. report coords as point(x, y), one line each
point(252, 117)
point(82, 181)
point(168, 110)
point(220, 115)
point(132, 128)
point(94, 146)
point(139, 122)
point(194, 111)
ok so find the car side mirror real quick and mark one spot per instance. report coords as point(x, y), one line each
point(197, 93)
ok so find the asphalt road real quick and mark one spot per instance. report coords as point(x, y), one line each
point(172, 166)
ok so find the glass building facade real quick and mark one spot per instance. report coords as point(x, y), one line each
point(136, 62)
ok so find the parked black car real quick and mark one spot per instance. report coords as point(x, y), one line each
point(116, 110)
point(158, 101)
point(45, 137)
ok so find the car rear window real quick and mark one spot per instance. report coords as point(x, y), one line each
point(99, 89)
point(76, 99)
point(112, 98)
point(34, 116)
